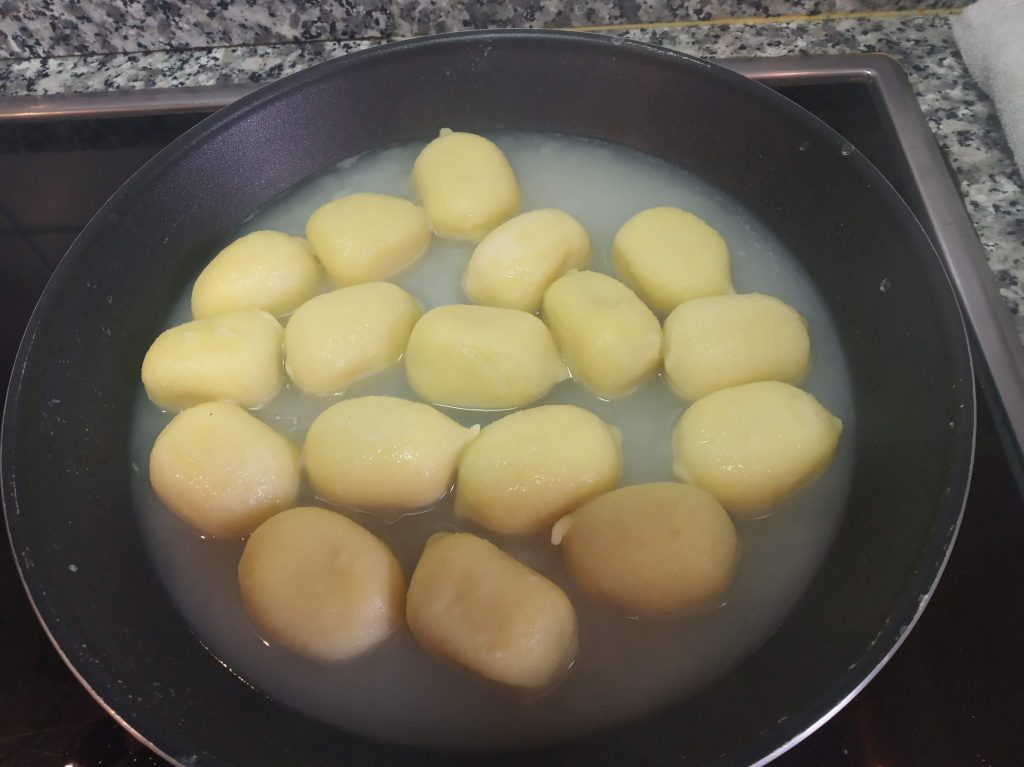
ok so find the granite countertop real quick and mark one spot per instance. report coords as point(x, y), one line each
point(960, 114)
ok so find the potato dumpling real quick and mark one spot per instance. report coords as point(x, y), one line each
point(342, 336)
point(321, 585)
point(529, 468)
point(720, 341)
point(515, 263)
point(669, 256)
point(754, 445)
point(482, 357)
point(466, 184)
point(609, 338)
point(366, 237)
point(234, 357)
point(383, 452)
point(264, 270)
point(655, 548)
point(222, 470)
point(474, 604)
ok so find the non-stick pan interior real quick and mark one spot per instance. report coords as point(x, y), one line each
point(67, 421)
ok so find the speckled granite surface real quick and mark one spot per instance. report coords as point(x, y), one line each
point(418, 17)
point(70, 27)
point(961, 116)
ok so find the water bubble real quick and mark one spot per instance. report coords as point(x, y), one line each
point(804, 146)
point(846, 150)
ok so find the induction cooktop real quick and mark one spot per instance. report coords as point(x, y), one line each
point(950, 696)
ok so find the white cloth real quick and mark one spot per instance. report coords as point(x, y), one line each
point(990, 34)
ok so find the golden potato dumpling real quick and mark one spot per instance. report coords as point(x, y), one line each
point(482, 357)
point(383, 452)
point(337, 338)
point(321, 585)
point(514, 264)
point(529, 468)
point(234, 357)
point(264, 270)
point(474, 604)
point(609, 338)
point(466, 184)
point(754, 445)
point(222, 470)
point(669, 256)
point(366, 237)
point(720, 341)
point(656, 548)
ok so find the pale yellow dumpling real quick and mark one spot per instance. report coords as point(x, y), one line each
point(234, 357)
point(610, 340)
point(264, 270)
point(754, 445)
point(482, 357)
point(337, 338)
point(474, 604)
point(720, 341)
point(383, 452)
point(529, 468)
point(656, 548)
point(669, 256)
point(514, 264)
point(222, 470)
point(366, 237)
point(320, 584)
point(466, 185)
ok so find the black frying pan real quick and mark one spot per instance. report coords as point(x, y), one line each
point(67, 419)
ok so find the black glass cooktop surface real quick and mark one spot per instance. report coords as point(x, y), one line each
point(951, 696)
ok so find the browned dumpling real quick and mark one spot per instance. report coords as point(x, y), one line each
point(474, 604)
point(321, 585)
point(655, 548)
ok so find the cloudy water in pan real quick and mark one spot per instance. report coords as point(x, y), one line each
point(626, 666)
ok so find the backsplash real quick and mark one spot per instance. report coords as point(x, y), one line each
point(30, 28)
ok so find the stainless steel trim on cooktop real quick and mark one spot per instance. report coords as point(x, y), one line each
point(953, 233)
point(126, 103)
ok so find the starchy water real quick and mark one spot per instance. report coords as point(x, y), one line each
point(626, 665)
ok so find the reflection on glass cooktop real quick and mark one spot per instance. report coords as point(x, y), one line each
point(950, 696)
